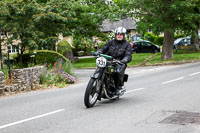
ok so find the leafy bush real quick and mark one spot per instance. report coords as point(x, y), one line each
point(49, 57)
point(101, 44)
point(89, 46)
point(63, 46)
point(5, 71)
point(26, 60)
point(150, 36)
point(84, 44)
point(178, 36)
point(65, 49)
point(159, 40)
point(41, 57)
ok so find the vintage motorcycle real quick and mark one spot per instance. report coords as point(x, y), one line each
point(102, 83)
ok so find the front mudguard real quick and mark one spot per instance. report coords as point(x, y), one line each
point(96, 75)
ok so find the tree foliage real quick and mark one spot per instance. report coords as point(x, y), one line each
point(164, 16)
point(18, 23)
point(38, 23)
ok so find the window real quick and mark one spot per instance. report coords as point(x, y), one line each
point(13, 49)
point(146, 44)
point(3, 34)
point(137, 43)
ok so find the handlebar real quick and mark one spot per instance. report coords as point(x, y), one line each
point(106, 56)
point(117, 61)
point(110, 58)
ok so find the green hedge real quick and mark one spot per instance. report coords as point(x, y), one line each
point(158, 39)
point(49, 57)
point(149, 36)
point(26, 60)
point(101, 44)
point(39, 57)
point(63, 47)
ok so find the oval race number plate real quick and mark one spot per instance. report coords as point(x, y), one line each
point(101, 62)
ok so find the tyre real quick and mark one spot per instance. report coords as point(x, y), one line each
point(155, 51)
point(92, 92)
point(133, 52)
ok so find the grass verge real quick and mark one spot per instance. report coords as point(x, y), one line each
point(144, 59)
point(178, 58)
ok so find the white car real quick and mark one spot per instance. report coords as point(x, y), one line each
point(185, 41)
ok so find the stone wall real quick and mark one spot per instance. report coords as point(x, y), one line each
point(22, 80)
point(2, 83)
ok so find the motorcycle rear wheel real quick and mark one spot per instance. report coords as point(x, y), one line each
point(92, 92)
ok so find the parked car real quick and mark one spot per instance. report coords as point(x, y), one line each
point(185, 41)
point(144, 46)
point(199, 36)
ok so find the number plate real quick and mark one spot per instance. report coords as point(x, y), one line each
point(101, 62)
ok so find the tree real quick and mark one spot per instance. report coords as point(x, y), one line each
point(3, 14)
point(81, 18)
point(38, 23)
point(19, 24)
point(164, 16)
point(192, 21)
point(78, 17)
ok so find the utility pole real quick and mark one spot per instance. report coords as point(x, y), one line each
point(1, 60)
point(9, 71)
point(1, 54)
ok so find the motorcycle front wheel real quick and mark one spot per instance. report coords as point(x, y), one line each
point(92, 92)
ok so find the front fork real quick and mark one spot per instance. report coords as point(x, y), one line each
point(99, 74)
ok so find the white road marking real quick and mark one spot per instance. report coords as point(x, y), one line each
point(29, 119)
point(194, 73)
point(172, 80)
point(135, 90)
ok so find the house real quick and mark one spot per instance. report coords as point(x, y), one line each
point(128, 23)
point(5, 47)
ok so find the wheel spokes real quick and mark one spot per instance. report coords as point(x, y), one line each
point(94, 92)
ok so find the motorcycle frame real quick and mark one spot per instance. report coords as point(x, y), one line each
point(100, 74)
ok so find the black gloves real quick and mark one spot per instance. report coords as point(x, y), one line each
point(124, 60)
point(96, 53)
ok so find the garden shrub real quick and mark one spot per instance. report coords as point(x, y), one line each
point(63, 46)
point(5, 71)
point(101, 44)
point(65, 49)
point(48, 57)
point(26, 60)
point(159, 40)
point(89, 46)
point(150, 36)
point(178, 36)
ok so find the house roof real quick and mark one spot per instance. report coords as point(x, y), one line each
point(127, 23)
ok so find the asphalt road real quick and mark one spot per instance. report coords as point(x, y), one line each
point(153, 94)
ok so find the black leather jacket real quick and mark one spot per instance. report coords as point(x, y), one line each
point(118, 49)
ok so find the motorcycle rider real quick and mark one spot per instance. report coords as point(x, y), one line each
point(121, 50)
